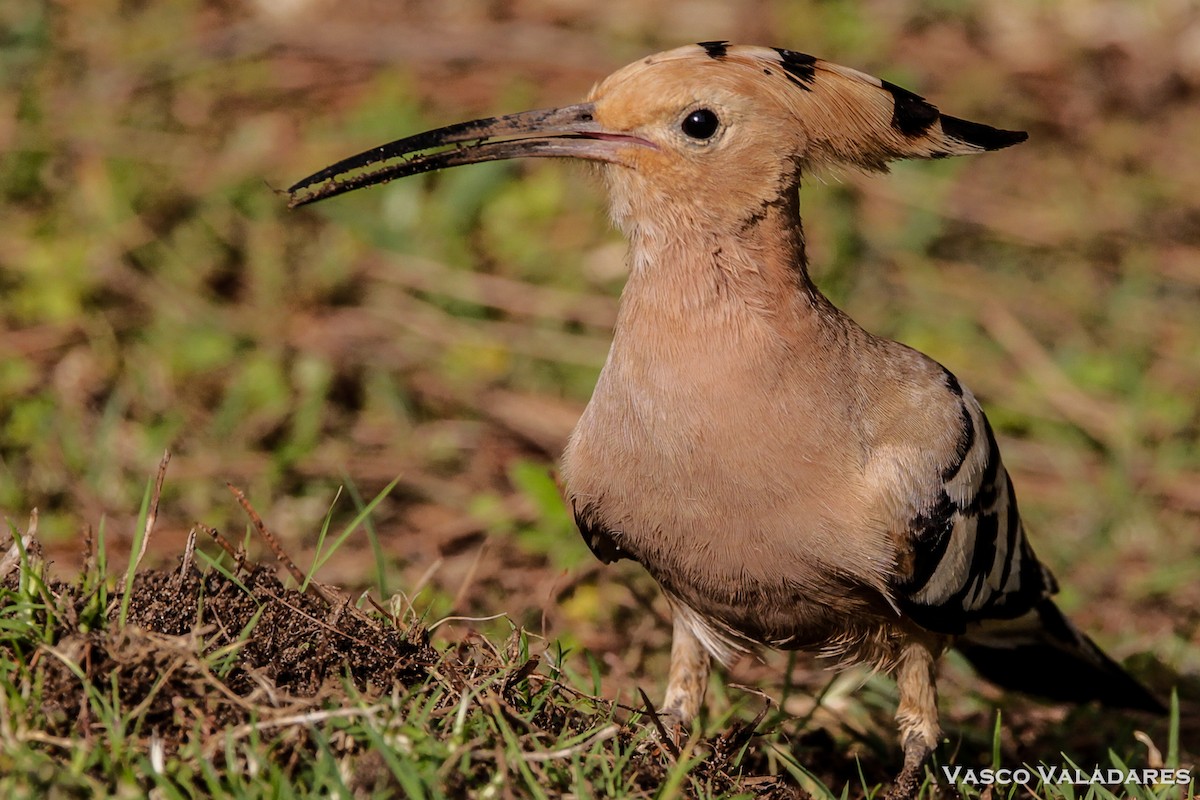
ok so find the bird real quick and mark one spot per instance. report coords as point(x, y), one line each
point(789, 479)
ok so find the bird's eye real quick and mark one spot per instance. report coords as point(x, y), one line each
point(700, 124)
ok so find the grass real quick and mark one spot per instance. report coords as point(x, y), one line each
point(220, 681)
point(428, 345)
point(213, 682)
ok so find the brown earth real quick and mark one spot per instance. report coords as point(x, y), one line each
point(206, 655)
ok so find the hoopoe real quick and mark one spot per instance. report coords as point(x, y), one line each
point(789, 479)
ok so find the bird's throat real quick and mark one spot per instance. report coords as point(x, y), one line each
point(717, 282)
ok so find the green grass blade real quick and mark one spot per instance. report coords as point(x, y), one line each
point(139, 535)
point(377, 551)
point(359, 518)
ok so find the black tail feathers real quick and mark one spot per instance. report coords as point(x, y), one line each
point(1043, 654)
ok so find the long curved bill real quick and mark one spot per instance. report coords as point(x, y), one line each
point(568, 132)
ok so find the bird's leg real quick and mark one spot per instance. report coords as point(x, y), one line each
point(917, 717)
point(688, 678)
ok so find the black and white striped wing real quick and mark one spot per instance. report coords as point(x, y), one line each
point(969, 556)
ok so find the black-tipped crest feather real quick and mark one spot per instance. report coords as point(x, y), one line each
point(980, 135)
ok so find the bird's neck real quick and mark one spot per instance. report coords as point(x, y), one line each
point(698, 277)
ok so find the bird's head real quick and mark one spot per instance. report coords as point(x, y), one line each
point(701, 135)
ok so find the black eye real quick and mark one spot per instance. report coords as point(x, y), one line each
point(700, 124)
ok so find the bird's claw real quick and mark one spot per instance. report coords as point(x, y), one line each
point(669, 730)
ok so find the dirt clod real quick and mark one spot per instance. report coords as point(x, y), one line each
point(202, 652)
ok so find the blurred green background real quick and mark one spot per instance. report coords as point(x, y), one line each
point(155, 292)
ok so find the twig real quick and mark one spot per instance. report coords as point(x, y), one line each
point(278, 550)
point(13, 556)
point(189, 553)
point(299, 719)
point(420, 585)
point(331, 626)
point(740, 735)
point(602, 735)
point(385, 613)
point(435, 625)
point(755, 691)
point(1154, 757)
point(152, 512)
point(160, 682)
point(236, 553)
point(580, 695)
point(664, 738)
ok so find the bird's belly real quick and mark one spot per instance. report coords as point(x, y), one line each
point(749, 546)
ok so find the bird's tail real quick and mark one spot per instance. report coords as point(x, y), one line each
point(1043, 654)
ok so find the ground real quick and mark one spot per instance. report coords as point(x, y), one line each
point(443, 334)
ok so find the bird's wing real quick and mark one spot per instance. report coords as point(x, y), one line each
point(964, 555)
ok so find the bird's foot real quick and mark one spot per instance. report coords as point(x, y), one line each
point(669, 729)
point(907, 784)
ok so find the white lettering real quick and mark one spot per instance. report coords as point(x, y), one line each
point(1048, 775)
